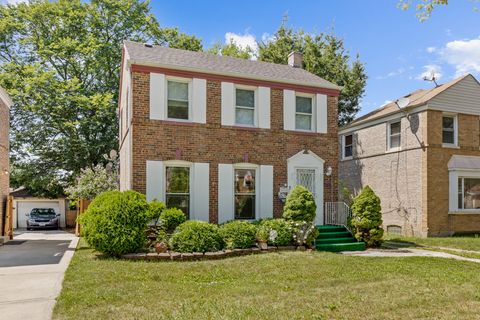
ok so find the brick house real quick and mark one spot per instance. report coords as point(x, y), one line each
point(219, 137)
point(422, 160)
point(5, 104)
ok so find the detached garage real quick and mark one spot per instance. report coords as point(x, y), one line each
point(23, 203)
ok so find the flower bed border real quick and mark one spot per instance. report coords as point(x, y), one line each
point(216, 255)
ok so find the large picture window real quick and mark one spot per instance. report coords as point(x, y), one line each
point(177, 100)
point(245, 194)
point(245, 107)
point(394, 138)
point(177, 193)
point(303, 113)
point(468, 193)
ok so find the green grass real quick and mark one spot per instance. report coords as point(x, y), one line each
point(465, 243)
point(285, 285)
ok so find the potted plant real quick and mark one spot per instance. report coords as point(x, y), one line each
point(262, 236)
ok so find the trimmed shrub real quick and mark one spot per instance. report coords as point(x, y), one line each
point(171, 218)
point(155, 210)
point(284, 231)
point(115, 222)
point(238, 234)
point(196, 236)
point(367, 217)
point(300, 205)
point(304, 233)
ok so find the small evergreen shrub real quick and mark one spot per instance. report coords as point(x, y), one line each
point(367, 217)
point(238, 234)
point(155, 210)
point(171, 218)
point(115, 222)
point(196, 236)
point(304, 233)
point(300, 205)
point(283, 230)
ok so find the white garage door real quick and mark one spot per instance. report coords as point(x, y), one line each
point(24, 207)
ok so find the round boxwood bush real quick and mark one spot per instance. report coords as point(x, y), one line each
point(115, 222)
point(300, 205)
point(367, 217)
point(196, 236)
point(238, 234)
point(171, 218)
point(283, 230)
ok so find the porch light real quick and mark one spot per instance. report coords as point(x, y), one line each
point(328, 172)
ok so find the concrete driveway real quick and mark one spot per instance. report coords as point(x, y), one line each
point(32, 267)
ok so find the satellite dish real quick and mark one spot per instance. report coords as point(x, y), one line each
point(402, 102)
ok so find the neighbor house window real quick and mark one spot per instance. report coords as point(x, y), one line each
point(468, 193)
point(449, 127)
point(245, 107)
point(347, 146)
point(245, 194)
point(394, 135)
point(178, 100)
point(177, 193)
point(303, 113)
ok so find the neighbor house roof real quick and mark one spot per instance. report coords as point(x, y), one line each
point(416, 98)
point(139, 53)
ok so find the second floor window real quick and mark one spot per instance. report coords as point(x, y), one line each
point(394, 138)
point(347, 146)
point(448, 129)
point(178, 100)
point(177, 193)
point(245, 107)
point(303, 113)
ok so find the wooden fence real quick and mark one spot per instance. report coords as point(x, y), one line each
point(8, 228)
point(82, 205)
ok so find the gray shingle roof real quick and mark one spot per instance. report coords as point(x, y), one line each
point(138, 53)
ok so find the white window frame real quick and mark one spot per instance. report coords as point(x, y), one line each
point(453, 176)
point(455, 130)
point(189, 81)
point(255, 105)
point(253, 167)
point(183, 164)
point(313, 114)
point(344, 146)
point(389, 135)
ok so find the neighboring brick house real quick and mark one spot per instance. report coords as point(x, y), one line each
point(423, 161)
point(219, 136)
point(5, 104)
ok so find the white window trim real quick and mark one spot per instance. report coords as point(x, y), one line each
point(389, 124)
point(455, 131)
point(184, 164)
point(255, 106)
point(454, 175)
point(343, 147)
point(189, 81)
point(248, 166)
point(313, 114)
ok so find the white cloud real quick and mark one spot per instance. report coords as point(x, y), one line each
point(11, 1)
point(464, 55)
point(429, 70)
point(243, 41)
point(431, 49)
point(393, 73)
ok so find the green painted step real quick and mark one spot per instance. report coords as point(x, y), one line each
point(337, 247)
point(327, 228)
point(330, 235)
point(336, 240)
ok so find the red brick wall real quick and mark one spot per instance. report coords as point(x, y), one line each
point(214, 144)
point(4, 161)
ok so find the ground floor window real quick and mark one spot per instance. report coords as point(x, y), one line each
point(468, 193)
point(177, 193)
point(245, 194)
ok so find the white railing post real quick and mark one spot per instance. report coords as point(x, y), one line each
point(337, 214)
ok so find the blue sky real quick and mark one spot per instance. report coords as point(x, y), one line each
point(395, 46)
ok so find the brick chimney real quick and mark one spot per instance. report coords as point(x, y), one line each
point(295, 59)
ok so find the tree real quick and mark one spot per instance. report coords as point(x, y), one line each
point(424, 8)
point(60, 61)
point(325, 56)
point(367, 217)
point(232, 50)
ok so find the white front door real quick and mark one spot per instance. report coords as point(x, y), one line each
point(306, 169)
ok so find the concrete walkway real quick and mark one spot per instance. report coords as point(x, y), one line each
point(408, 253)
point(29, 291)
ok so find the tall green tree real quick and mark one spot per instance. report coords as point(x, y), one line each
point(232, 50)
point(324, 55)
point(425, 8)
point(60, 62)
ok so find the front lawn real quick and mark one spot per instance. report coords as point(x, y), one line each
point(287, 285)
point(463, 242)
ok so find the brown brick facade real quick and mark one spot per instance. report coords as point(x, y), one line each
point(213, 143)
point(4, 159)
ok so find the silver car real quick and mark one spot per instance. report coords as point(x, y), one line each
point(42, 218)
